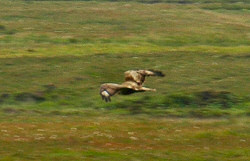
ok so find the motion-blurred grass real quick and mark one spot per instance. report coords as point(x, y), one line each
point(40, 137)
point(192, 81)
point(54, 55)
point(73, 47)
point(49, 28)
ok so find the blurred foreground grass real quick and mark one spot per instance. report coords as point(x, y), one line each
point(40, 137)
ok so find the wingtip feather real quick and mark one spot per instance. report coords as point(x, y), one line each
point(158, 73)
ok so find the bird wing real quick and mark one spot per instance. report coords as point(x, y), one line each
point(134, 76)
point(109, 89)
point(138, 76)
point(151, 73)
point(130, 87)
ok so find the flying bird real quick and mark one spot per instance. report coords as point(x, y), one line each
point(134, 80)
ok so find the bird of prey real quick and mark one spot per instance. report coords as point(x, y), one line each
point(134, 80)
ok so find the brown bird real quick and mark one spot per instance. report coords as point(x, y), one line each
point(134, 80)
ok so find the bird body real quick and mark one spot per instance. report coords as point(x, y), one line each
point(134, 80)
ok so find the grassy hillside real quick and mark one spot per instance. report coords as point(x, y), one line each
point(76, 46)
point(54, 56)
point(116, 138)
point(69, 82)
point(162, 1)
point(80, 28)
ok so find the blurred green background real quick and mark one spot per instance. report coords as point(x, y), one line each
point(54, 55)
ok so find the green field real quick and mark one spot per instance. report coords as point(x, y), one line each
point(54, 55)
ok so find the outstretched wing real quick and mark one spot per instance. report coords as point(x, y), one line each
point(139, 76)
point(130, 87)
point(109, 89)
point(152, 72)
point(128, 91)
